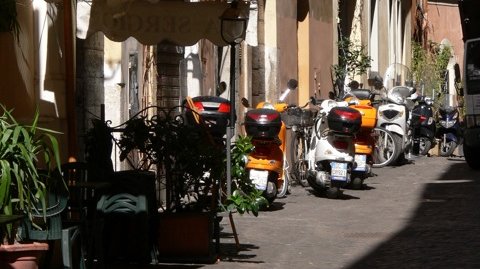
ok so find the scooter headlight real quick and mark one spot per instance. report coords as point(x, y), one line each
point(390, 114)
point(268, 105)
point(447, 124)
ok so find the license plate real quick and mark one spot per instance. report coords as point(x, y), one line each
point(339, 171)
point(361, 160)
point(259, 178)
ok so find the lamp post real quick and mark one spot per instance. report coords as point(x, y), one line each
point(233, 29)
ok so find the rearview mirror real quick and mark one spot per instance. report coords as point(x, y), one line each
point(292, 84)
point(245, 102)
point(222, 87)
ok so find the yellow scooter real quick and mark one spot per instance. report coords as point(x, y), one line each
point(267, 163)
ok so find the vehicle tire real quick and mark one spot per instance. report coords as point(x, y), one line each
point(357, 183)
point(283, 189)
point(300, 172)
point(297, 153)
point(311, 182)
point(297, 147)
point(447, 149)
point(400, 158)
point(333, 192)
point(472, 157)
point(385, 148)
point(425, 146)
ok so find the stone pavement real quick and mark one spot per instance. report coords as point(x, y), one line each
point(425, 214)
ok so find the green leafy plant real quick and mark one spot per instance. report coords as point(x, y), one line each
point(245, 197)
point(353, 60)
point(22, 149)
point(183, 151)
point(429, 66)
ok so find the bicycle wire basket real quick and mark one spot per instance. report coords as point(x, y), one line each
point(296, 116)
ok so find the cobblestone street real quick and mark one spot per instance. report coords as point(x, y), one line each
point(420, 215)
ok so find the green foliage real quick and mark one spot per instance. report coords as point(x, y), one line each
point(245, 197)
point(192, 163)
point(352, 60)
point(22, 149)
point(429, 66)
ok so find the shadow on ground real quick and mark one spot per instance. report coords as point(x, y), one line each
point(444, 231)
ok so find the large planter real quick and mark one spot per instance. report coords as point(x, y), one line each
point(22, 256)
point(186, 237)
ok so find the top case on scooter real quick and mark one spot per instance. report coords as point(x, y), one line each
point(344, 120)
point(263, 123)
point(215, 111)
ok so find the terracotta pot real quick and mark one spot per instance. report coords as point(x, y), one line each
point(22, 256)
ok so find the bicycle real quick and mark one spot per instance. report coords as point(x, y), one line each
point(300, 120)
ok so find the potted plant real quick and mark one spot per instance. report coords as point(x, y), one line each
point(22, 187)
point(193, 164)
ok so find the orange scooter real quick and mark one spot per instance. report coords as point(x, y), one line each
point(267, 164)
point(364, 141)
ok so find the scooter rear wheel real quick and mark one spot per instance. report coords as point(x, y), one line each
point(385, 149)
point(333, 192)
point(283, 189)
point(425, 146)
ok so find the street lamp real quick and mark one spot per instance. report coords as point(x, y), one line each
point(233, 29)
point(233, 24)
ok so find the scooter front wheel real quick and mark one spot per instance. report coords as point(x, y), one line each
point(447, 149)
point(385, 148)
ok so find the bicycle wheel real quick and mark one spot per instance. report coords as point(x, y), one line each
point(301, 169)
point(297, 147)
point(297, 155)
point(385, 149)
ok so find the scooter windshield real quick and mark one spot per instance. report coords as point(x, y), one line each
point(398, 94)
point(448, 102)
point(397, 75)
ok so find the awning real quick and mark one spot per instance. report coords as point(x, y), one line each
point(151, 22)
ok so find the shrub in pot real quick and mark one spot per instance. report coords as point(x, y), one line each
point(23, 149)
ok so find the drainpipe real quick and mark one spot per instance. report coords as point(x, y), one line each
point(70, 79)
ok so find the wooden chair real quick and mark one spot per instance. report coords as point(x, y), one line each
point(75, 174)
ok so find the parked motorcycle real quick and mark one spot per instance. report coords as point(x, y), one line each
point(423, 127)
point(360, 99)
point(394, 113)
point(331, 153)
point(267, 165)
point(448, 133)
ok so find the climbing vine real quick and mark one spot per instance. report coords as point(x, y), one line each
point(429, 66)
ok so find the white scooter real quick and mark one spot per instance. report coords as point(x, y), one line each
point(394, 115)
point(331, 151)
